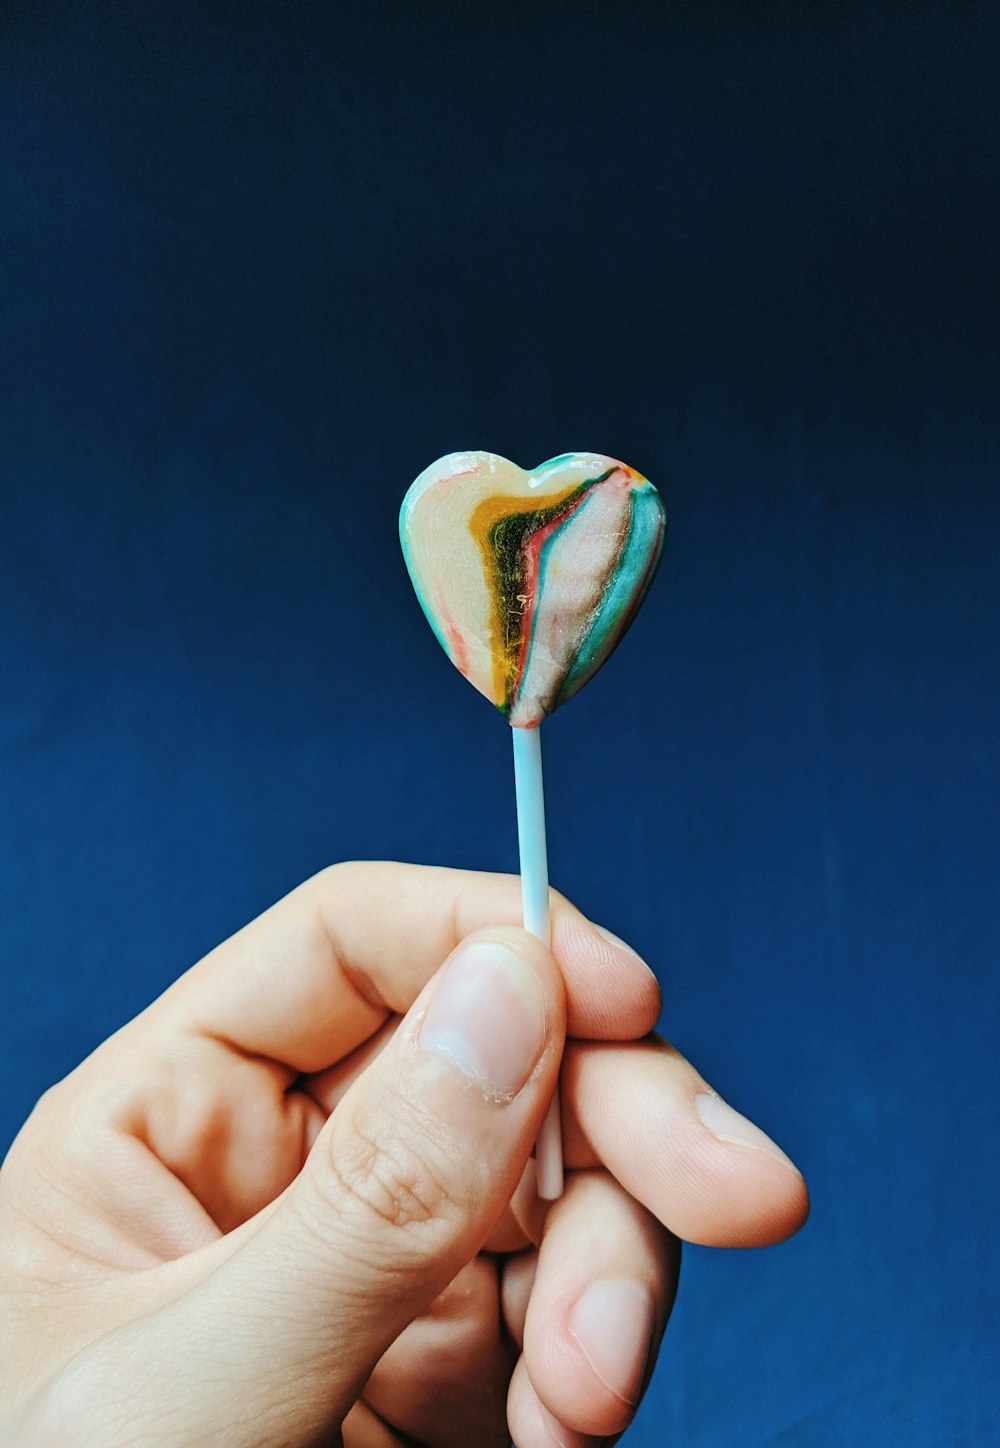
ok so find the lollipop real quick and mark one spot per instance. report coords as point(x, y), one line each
point(529, 580)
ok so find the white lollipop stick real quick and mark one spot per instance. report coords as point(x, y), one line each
point(535, 905)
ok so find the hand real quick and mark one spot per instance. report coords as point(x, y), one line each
point(290, 1201)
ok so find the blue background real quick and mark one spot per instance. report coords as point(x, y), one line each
point(260, 265)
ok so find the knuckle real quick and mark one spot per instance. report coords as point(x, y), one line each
point(470, 1302)
point(330, 874)
point(391, 1167)
point(390, 1183)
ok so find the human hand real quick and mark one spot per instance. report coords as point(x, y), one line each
point(274, 1209)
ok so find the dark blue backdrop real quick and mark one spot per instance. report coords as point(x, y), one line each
point(260, 265)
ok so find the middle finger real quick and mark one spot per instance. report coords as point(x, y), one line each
point(648, 1116)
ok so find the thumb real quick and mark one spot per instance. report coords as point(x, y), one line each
point(401, 1188)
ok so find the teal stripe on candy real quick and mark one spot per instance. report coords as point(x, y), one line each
point(554, 462)
point(620, 602)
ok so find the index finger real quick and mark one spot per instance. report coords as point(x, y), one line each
point(315, 975)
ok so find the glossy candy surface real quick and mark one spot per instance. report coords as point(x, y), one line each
point(529, 579)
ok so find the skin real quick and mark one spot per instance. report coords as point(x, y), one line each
point(265, 1212)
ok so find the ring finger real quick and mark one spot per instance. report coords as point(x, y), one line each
point(604, 1284)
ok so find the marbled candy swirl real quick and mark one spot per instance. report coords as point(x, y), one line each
point(529, 580)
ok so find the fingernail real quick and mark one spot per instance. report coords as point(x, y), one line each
point(728, 1125)
point(487, 1014)
point(613, 1324)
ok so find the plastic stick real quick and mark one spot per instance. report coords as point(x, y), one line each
point(535, 905)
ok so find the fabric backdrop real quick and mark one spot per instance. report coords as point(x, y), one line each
point(259, 265)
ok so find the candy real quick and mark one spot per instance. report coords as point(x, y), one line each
point(530, 579)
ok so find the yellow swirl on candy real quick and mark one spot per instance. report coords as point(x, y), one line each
point(529, 579)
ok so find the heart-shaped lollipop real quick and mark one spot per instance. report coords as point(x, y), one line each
point(530, 579)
